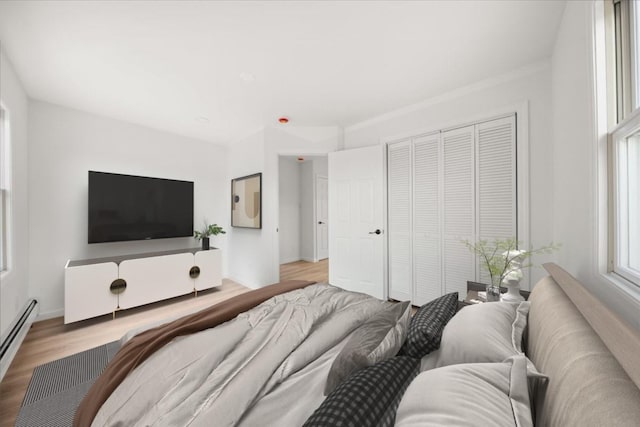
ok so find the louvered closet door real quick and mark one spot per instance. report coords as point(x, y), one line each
point(496, 181)
point(427, 262)
point(459, 208)
point(399, 212)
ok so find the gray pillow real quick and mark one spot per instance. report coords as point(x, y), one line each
point(489, 332)
point(481, 394)
point(378, 339)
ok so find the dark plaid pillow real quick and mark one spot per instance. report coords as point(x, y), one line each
point(425, 329)
point(369, 397)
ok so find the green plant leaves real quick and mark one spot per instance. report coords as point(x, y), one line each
point(208, 230)
point(500, 256)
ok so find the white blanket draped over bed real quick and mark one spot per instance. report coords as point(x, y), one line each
point(267, 366)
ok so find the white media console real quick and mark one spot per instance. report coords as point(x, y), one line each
point(94, 287)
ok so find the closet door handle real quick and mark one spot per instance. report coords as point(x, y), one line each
point(378, 231)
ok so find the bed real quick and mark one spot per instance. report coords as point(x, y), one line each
point(301, 353)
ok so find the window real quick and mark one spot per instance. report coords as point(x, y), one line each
point(625, 142)
point(4, 189)
point(626, 203)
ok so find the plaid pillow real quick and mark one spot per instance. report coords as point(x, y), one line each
point(425, 330)
point(370, 397)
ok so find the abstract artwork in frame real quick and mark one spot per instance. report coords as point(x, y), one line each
point(246, 201)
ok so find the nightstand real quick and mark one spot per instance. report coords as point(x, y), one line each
point(474, 287)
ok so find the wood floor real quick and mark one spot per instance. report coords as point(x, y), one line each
point(317, 271)
point(51, 339)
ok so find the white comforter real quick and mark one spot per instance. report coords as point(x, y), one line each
point(268, 366)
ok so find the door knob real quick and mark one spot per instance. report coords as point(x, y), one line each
point(320, 222)
point(378, 231)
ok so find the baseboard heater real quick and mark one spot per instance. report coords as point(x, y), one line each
point(11, 343)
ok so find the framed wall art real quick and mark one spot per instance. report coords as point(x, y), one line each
point(246, 201)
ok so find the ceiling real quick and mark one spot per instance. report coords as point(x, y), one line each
point(219, 71)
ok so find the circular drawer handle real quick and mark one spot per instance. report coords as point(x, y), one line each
point(194, 272)
point(118, 286)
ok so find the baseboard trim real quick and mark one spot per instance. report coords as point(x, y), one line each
point(17, 332)
point(50, 315)
point(287, 261)
point(239, 282)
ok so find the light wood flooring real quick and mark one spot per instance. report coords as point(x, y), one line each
point(51, 339)
point(316, 271)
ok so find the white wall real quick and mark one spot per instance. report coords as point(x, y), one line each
point(307, 214)
point(289, 223)
point(531, 85)
point(575, 167)
point(321, 166)
point(14, 284)
point(249, 251)
point(313, 167)
point(63, 145)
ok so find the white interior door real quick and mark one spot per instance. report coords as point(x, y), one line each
point(427, 239)
point(399, 220)
point(322, 217)
point(356, 215)
point(496, 182)
point(458, 208)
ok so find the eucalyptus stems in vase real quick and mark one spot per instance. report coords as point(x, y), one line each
point(504, 262)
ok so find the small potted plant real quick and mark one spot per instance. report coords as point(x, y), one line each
point(504, 261)
point(208, 230)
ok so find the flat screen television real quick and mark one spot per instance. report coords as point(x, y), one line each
point(128, 207)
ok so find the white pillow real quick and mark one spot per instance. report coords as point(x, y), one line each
point(488, 332)
point(474, 394)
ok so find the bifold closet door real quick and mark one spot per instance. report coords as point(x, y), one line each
point(496, 182)
point(399, 220)
point(458, 208)
point(427, 258)
point(445, 188)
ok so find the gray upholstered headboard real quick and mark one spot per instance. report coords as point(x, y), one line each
point(591, 356)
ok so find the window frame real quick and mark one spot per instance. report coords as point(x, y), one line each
point(5, 191)
point(622, 20)
point(619, 206)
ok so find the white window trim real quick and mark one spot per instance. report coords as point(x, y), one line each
point(6, 184)
point(629, 126)
point(604, 121)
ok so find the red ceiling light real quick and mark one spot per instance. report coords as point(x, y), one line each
point(283, 120)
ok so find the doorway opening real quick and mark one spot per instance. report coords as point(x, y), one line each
point(303, 217)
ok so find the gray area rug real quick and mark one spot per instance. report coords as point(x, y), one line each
point(57, 387)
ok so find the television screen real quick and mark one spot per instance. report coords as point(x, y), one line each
point(127, 207)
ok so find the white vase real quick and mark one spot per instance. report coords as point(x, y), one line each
point(513, 291)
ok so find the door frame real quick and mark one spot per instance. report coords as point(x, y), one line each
point(316, 256)
point(385, 193)
point(276, 244)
